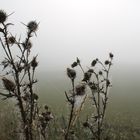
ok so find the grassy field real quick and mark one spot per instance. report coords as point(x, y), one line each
point(122, 118)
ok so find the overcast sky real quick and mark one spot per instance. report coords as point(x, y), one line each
point(83, 28)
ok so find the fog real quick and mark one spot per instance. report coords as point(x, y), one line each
point(83, 28)
point(86, 29)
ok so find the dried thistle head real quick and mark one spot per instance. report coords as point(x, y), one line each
point(87, 76)
point(86, 124)
point(35, 96)
point(32, 26)
point(80, 89)
point(94, 62)
point(111, 55)
point(71, 73)
point(11, 40)
point(8, 84)
point(74, 64)
point(107, 62)
point(3, 16)
point(27, 45)
point(34, 63)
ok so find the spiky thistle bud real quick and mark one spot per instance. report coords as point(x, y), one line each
point(3, 16)
point(32, 26)
point(71, 73)
point(8, 84)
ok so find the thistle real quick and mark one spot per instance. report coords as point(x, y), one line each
point(8, 84)
point(3, 16)
point(32, 26)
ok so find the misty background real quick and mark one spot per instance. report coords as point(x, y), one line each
point(87, 29)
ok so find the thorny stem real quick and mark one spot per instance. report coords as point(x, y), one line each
point(71, 112)
point(27, 132)
point(106, 91)
point(98, 109)
point(9, 55)
point(4, 49)
point(81, 68)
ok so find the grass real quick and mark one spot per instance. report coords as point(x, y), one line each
point(118, 125)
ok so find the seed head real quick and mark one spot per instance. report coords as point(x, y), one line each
point(92, 86)
point(107, 62)
point(93, 63)
point(78, 61)
point(27, 45)
point(71, 73)
point(32, 26)
point(86, 124)
point(34, 63)
point(8, 84)
point(46, 107)
point(80, 89)
point(108, 82)
point(100, 73)
point(87, 76)
point(11, 40)
point(91, 70)
point(35, 96)
point(3, 16)
point(74, 64)
point(111, 55)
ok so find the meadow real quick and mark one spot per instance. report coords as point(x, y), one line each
point(122, 118)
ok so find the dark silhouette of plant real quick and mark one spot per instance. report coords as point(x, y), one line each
point(97, 80)
point(19, 79)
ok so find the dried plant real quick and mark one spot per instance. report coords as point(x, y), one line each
point(19, 79)
point(96, 78)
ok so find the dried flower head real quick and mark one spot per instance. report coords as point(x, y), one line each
point(34, 63)
point(87, 76)
point(80, 89)
point(78, 61)
point(11, 40)
point(27, 45)
point(108, 82)
point(107, 62)
point(100, 73)
point(8, 84)
point(74, 64)
point(47, 116)
point(32, 26)
point(71, 73)
point(111, 55)
point(86, 124)
point(46, 107)
point(92, 86)
point(93, 63)
point(35, 96)
point(3, 16)
point(91, 70)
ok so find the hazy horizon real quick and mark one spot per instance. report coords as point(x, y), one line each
point(87, 29)
point(79, 28)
